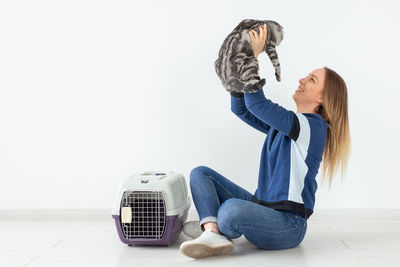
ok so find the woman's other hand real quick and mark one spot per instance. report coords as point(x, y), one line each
point(258, 40)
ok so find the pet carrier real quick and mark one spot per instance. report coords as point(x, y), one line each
point(151, 207)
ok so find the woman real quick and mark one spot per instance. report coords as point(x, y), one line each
point(275, 217)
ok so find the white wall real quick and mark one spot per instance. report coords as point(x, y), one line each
point(94, 91)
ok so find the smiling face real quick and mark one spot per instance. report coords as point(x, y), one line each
point(308, 95)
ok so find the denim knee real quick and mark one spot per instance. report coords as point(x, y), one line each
point(230, 209)
point(197, 173)
point(229, 213)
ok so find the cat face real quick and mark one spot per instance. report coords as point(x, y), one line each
point(308, 95)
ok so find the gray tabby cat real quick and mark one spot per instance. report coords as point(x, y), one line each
point(236, 65)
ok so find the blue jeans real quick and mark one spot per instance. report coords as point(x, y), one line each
point(221, 201)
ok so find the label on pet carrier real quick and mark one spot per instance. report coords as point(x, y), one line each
point(126, 214)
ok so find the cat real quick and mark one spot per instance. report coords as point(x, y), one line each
point(236, 65)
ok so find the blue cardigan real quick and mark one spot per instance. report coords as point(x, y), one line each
point(291, 154)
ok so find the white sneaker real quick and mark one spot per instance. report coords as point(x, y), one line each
point(207, 244)
point(192, 229)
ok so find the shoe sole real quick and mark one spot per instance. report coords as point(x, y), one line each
point(201, 250)
point(192, 229)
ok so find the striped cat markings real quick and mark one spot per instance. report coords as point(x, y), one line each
point(236, 66)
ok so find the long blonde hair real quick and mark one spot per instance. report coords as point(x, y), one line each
point(334, 111)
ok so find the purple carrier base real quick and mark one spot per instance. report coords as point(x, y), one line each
point(173, 228)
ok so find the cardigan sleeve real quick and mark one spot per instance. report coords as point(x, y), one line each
point(239, 108)
point(272, 114)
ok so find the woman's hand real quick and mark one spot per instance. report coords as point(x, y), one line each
point(258, 40)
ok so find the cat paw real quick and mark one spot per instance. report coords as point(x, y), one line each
point(254, 85)
point(261, 83)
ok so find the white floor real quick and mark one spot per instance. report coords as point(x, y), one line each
point(89, 238)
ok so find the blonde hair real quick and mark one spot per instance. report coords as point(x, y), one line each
point(334, 111)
